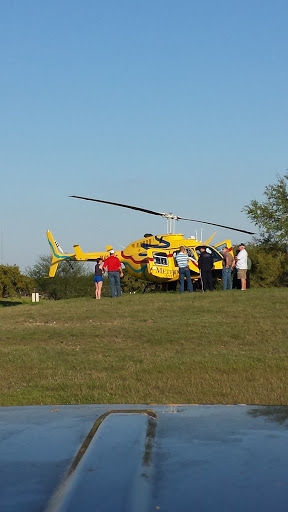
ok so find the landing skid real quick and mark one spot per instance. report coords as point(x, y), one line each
point(160, 287)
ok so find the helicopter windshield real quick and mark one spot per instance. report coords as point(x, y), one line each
point(211, 250)
point(190, 254)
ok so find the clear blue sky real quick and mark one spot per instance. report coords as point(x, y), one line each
point(168, 105)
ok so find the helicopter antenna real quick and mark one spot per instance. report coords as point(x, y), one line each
point(169, 216)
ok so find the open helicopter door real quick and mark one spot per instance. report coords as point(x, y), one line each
point(218, 257)
point(225, 243)
point(161, 264)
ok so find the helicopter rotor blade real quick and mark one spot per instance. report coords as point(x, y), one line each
point(167, 215)
point(218, 225)
point(152, 212)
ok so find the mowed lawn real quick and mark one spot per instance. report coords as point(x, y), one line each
point(220, 347)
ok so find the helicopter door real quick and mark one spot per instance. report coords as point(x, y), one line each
point(219, 256)
point(161, 264)
point(225, 243)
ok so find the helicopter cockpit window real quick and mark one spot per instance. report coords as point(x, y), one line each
point(160, 258)
point(211, 250)
point(190, 253)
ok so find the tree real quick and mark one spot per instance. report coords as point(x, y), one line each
point(269, 267)
point(71, 280)
point(13, 283)
point(271, 216)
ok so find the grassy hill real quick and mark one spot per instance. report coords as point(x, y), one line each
point(220, 347)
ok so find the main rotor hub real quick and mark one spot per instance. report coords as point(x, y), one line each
point(170, 216)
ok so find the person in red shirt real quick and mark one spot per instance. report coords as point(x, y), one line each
point(113, 266)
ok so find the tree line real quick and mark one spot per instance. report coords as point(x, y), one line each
point(269, 250)
point(268, 253)
point(72, 280)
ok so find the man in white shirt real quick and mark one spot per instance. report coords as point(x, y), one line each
point(241, 265)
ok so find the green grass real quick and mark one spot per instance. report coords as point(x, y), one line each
point(220, 347)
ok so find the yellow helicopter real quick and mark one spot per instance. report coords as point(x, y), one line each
point(151, 258)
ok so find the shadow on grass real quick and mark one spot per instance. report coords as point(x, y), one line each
point(6, 303)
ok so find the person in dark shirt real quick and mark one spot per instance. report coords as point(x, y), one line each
point(205, 265)
point(236, 283)
point(98, 277)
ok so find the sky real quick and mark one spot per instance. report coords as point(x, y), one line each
point(174, 106)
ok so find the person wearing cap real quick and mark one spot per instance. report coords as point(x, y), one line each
point(242, 265)
point(182, 259)
point(226, 269)
point(205, 265)
point(113, 266)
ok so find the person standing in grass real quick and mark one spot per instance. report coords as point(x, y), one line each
point(242, 265)
point(205, 265)
point(113, 266)
point(226, 269)
point(98, 277)
point(236, 282)
point(182, 259)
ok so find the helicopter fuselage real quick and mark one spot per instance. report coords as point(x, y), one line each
point(150, 258)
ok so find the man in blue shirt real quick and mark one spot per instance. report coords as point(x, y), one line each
point(182, 260)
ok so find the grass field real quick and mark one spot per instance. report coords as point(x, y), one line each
point(220, 347)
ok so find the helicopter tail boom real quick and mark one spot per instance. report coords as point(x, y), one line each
point(58, 255)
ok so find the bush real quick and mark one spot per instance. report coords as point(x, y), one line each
point(72, 279)
point(269, 266)
point(13, 283)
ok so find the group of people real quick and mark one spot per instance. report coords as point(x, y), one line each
point(239, 264)
point(112, 266)
point(205, 265)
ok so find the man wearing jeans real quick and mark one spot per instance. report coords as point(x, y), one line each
point(114, 268)
point(182, 259)
point(226, 270)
